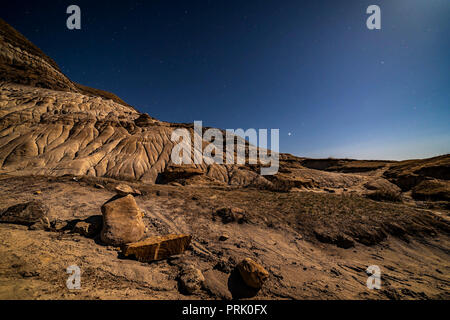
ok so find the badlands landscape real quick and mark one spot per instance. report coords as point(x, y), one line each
point(87, 180)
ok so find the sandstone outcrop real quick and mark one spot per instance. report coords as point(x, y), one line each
point(51, 126)
point(89, 227)
point(191, 279)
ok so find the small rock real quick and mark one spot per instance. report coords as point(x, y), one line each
point(224, 237)
point(339, 239)
point(37, 192)
point(81, 228)
point(42, 224)
point(253, 274)
point(99, 186)
point(58, 225)
point(89, 227)
point(335, 272)
point(191, 279)
point(223, 265)
point(162, 193)
point(29, 274)
point(157, 247)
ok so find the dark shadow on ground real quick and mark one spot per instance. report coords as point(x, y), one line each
point(238, 288)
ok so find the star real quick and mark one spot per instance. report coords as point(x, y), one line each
point(289, 134)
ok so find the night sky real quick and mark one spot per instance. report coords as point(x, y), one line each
point(310, 68)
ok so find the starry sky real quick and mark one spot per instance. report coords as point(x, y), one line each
point(309, 68)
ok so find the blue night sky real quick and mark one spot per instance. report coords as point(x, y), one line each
point(310, 68)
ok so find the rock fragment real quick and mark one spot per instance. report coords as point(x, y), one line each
point(33, 214)
point(122, 221)
point(191, 279)
point(124, 190)
point(89, 227)
point(232, 214)
point(253, 274)
point(157, 247)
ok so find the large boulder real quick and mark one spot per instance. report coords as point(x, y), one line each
point(122, 221)
point(157, 247)
point(33, 214)
point(253, 274)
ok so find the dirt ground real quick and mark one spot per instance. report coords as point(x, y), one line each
point(33, 263)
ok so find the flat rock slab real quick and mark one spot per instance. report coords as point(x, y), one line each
point(157, 247)
point(122, 221)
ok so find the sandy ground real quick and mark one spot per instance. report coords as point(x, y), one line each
point(33, 263)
